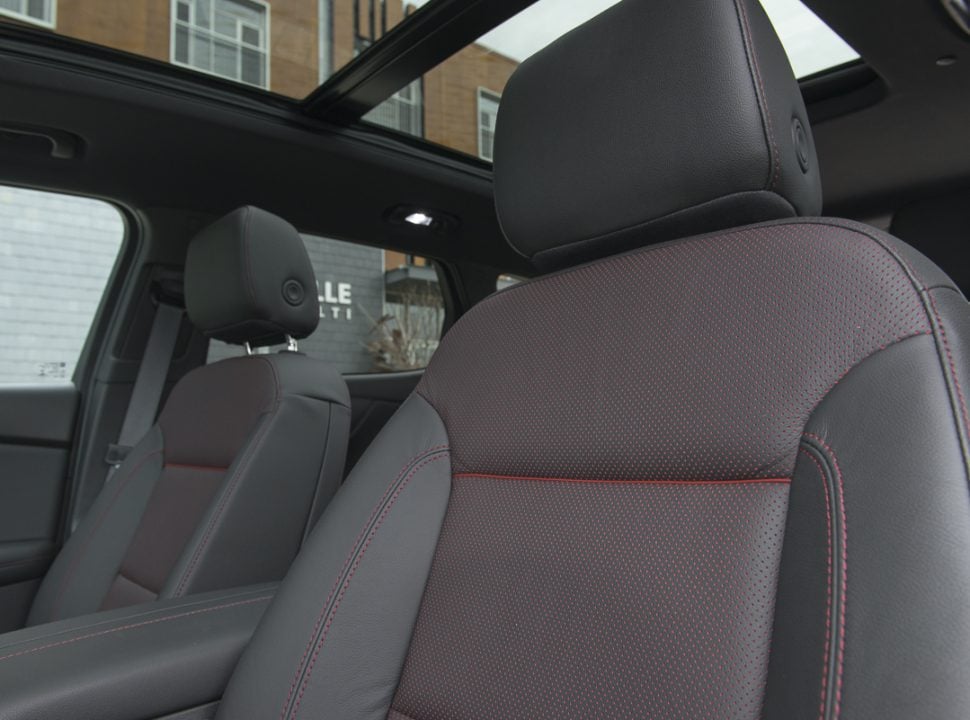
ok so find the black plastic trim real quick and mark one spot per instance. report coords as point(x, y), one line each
point(410, 49)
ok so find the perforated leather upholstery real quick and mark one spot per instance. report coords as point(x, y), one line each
point(725, 476)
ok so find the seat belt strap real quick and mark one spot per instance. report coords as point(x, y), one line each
point(149, 382)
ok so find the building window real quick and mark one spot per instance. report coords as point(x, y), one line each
point(487, 114)
point(39, 12)
point(228, 38)
point(402, 111)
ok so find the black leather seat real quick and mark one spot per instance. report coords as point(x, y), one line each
point(716, 471)
point(245, 454)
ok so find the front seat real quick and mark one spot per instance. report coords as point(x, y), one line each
point(709, 468)
point(245, 453)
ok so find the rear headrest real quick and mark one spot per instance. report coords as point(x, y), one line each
point(248, 278)
point(652, 121)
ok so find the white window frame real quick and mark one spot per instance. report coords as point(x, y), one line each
point(409, 99)
point(491, 96)
point(23, 16)
point(175, 23)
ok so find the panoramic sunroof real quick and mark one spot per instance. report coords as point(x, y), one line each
point(290, 47)
point(456, 104)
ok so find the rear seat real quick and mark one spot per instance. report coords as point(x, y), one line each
point(245, 453)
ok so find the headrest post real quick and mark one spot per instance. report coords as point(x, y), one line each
point(291, 344)
point(249, 348)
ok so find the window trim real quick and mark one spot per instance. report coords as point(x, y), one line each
point(267, 49)
point(492, 96)
point(24, 17)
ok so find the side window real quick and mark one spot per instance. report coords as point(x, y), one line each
point(506, 280)
point(56, 253)
point(380, 311)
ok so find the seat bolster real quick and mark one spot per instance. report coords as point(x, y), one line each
point(80, 576)
point(289, 467)
point(333, 643)
point(890, 442)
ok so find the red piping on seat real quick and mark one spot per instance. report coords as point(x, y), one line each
point(486, 476)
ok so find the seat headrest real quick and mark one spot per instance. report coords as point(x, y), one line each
point(652, 121)
point(248, 278)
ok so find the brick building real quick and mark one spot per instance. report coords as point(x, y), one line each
point(287, 47)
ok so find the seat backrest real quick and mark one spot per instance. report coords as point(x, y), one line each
point(724, 475)
point(245, 453)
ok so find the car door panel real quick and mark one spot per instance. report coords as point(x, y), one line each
point(36, 430)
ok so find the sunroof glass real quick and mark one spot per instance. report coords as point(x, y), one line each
point(456, 104)
point(287, 47)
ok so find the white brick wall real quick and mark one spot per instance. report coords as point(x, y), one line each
point(56, 252)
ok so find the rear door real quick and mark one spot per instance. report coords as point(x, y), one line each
point(57, 254)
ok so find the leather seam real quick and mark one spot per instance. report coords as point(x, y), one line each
point(841, 587)
point(79, 555)
point(133, 626)
point(935, 321)
point(346, 584)
point(953, 382)
point(291, 703)
point(523, 478)
point(658, 247)
point(642, 226)
point(757, 82)
point(827, 659)
point(233, 483)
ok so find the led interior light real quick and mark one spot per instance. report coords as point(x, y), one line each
point(419, 218)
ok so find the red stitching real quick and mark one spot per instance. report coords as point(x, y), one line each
point(343, 569)
point(132, 626)
point(845, 574)
point(828, 592)
point(487, 476)
point(766, 112)
point(353, 570)
point(231, 487)
point(72, 568)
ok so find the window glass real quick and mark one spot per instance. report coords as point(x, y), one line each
point(40, 12)
point(56, 253)
point(380, 311)
point(288, 47)
point(225, 37)
point(487, 115)
point(506, 280)
point(461, 96)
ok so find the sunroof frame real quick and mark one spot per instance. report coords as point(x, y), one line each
point(416, 45)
